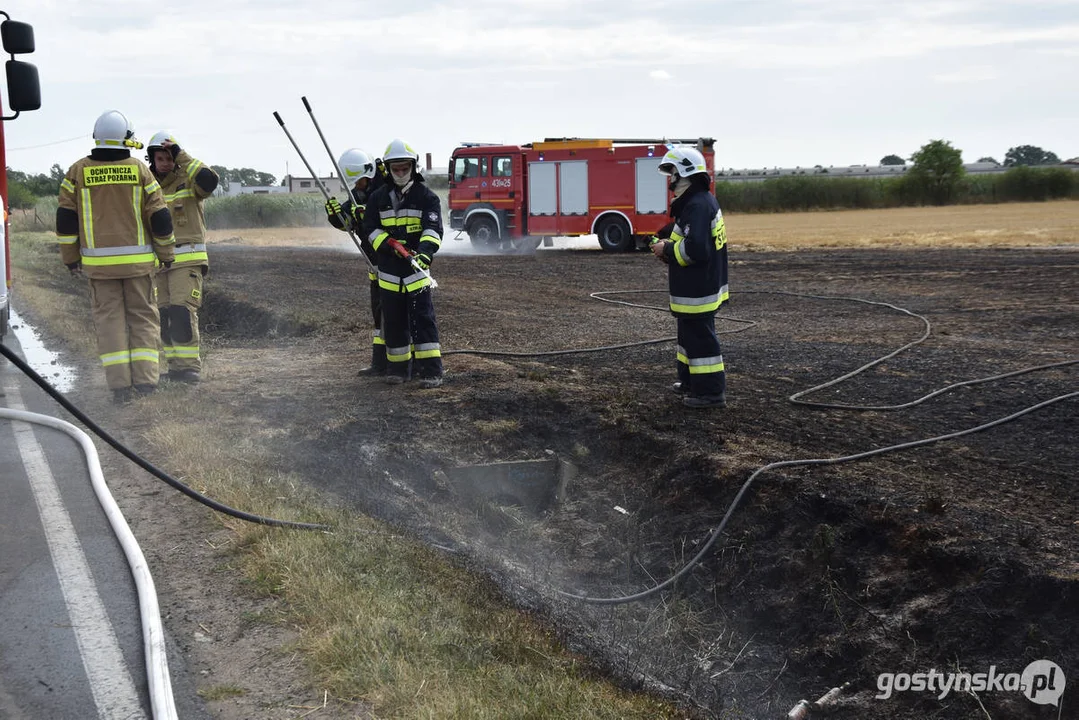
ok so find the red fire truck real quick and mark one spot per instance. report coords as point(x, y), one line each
point(513, 197)
point(23, 94)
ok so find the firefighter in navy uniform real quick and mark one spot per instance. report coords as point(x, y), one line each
point(360, 174)
point(113, 226)
point(695, 251)
point(403, 223)
point(185, 183)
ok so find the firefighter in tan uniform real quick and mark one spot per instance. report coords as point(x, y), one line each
point(113, 226)
point(185, 183)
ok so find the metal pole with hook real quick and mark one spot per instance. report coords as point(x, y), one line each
point(345, 220)
point(333, 159)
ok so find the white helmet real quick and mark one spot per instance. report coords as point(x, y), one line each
point(356, 164)
point(398, 149)
point(158, 140)
point(113, 130)
point(682, 160)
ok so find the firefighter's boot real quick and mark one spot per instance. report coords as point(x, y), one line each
point(705, 401)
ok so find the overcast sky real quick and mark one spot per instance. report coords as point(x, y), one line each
point(776, 82)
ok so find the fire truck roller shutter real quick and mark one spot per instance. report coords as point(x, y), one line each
point(614, 233)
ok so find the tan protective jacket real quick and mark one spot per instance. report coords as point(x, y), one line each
point(184, 198)
point(114, 200)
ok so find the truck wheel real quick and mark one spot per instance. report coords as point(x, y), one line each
point(614, 235)
point(484, 233)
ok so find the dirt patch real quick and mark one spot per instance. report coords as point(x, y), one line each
point(955, 556)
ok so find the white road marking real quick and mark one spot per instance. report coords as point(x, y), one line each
point(110, 682)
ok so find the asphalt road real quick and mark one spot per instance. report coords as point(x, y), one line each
point(71, 642)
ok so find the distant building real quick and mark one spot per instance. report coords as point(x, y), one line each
point(236, 188)
point(308, 185)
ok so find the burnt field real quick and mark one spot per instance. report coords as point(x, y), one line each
point(954, 556)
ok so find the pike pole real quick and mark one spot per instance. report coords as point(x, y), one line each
point(345, 220)
point(333, 159)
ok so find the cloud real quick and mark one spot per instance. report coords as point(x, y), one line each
point(975, 73)
point(659, 75)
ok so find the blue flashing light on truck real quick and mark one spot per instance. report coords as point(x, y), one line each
point(23, 94)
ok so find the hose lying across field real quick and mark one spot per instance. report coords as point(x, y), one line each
point(797, 400)
point(145, 465)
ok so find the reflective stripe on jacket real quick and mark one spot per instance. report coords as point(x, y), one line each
point(184, 198)
point(698, 256)
point(414, 220)
point(113, 200)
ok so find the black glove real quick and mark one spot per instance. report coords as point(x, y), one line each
point(665, 232)
point(357, 214)
point(174, 150)
point(424, 261)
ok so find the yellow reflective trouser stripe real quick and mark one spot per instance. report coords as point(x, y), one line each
point(377, 340)
point(399, 354)
point(428, 350)
point(144, 354)
point(695, 309)
point(181, 351)
point(98, 261)
point(116, 358)
point(67, 239)
point(702, 366)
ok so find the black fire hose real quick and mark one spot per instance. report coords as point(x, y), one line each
point(148, 467)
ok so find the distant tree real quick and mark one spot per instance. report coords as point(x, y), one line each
point(250, 177)
point(242, 176)
point(223, 176)
point(937, 170)
point(988, 160)
point(20, 197)
point(892, 160)
point(1029, 155)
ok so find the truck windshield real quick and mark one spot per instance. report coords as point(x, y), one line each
point(465, 167)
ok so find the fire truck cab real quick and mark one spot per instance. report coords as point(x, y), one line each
point(514, 197)
point(23, 94)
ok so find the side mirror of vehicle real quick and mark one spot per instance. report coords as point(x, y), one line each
point(18, 37)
